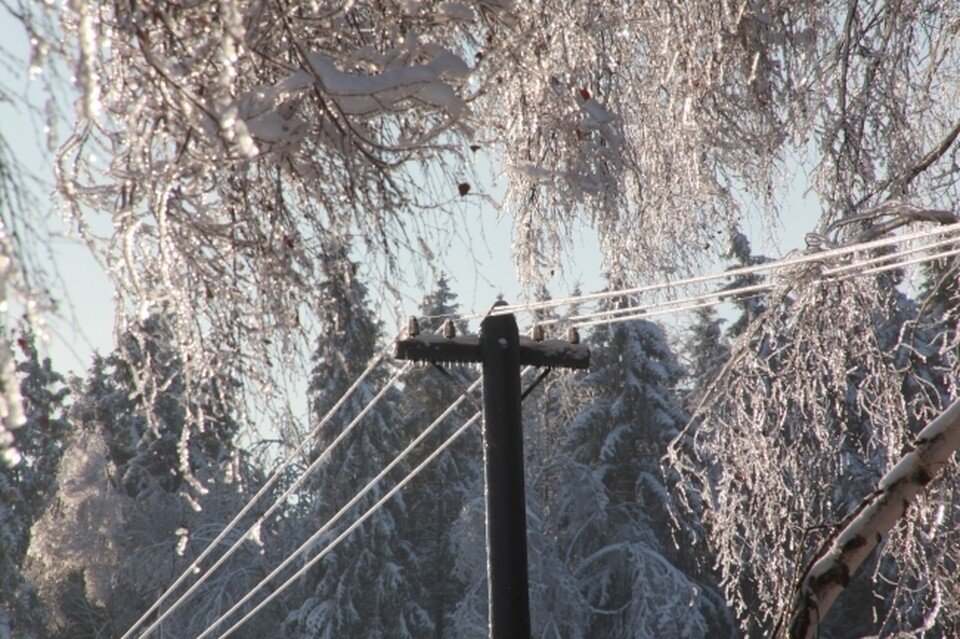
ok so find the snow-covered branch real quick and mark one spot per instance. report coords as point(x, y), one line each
point(843, 553)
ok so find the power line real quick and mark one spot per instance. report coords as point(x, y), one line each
point(929, 258)
point(643, 313)
point(744, 270)
point(584, 320)
point(280, 500)
point(194, 566)
point(950, 241)
point(636, 312)
point(772, 265)
point(333, 544)
point(339, 514)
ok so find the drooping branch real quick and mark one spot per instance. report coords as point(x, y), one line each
point(898, 214)
point(934, 155)
point(842, 554)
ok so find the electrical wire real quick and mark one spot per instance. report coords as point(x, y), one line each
point(340, 513)
point(883, 258)
point(930, 258)
point(280, 500)
point(643, 313)
point(636, 312)
point(780, 264)
point(772, 265)
point(583, 320)
point(193, 568)
point(333, 544)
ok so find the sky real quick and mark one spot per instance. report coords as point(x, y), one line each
point(84, 321)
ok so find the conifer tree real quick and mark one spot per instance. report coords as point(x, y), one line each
point(750, 305)
point(149, 477)
point(25, 489)
point(368, 586)
point(620, 522)
point(705, 346)
point(438, 496)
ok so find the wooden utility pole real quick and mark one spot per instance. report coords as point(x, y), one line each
point(501, 352)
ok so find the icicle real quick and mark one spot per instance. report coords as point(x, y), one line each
point(86, 64)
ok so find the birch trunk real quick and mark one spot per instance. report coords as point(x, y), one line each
point(843, 553)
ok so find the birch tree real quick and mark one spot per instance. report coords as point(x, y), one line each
point(226, 141)
point(863, 530)
point(805, 425)
point(260, 128)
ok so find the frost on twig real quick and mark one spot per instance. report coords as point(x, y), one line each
point(844, 551)
point(232, 143)
point(792, 433)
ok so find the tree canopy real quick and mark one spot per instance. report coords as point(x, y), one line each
point(240, 167)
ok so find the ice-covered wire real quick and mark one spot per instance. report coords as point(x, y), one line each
point(639, 312)
point(917, 260)
point(950, 241)
point(850, 271)
point(194, 566)
point(333, 544)
point(280, 500)
point(339, 514)
point(772, 265)
point(584, 320)
point(951, 229)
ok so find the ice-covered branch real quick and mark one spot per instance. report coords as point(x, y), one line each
point(843, 553)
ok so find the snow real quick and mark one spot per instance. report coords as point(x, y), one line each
point(434, 338)
point(269, 127)
point(534, 172)
point(183, 537)
point(374, 93)
point(11, 406)
point(597, 112)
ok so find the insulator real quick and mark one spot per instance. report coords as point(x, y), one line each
point(449, 330)
point(537, 333)
point(573, 335)
point(413, 327)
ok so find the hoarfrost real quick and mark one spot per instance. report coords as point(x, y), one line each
point(183, 538)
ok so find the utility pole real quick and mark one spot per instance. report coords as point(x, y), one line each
point(501, 351)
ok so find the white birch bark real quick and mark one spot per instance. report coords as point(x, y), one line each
point(843, 553)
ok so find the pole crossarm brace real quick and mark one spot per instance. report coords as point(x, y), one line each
point(550, 353)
